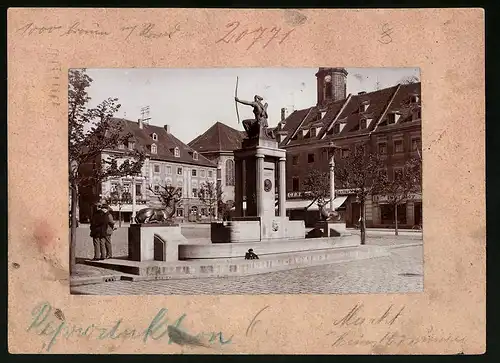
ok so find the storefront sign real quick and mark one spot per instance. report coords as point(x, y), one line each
point(297, 195)
point(345, 191)
point(384, 198)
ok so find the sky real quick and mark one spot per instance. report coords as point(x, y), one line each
point(192, 100)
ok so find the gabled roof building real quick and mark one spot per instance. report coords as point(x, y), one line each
point(168, 162)
point(388, 121)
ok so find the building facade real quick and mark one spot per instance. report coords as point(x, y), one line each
point(168, 162)
point(387, 122)
point(217, 144)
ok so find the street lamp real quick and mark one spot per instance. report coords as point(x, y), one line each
point(331, 147)
point(133, 199)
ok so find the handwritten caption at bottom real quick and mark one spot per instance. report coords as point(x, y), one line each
point(347, 334)
point(46, 323)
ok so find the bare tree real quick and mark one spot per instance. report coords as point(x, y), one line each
point(85, 163)
point(317, 185)
point(170, 197)
point(405, 183)
point(210, 194)
point(360, 171)
point(409, 80)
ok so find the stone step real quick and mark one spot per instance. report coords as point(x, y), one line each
point(263, 248)
point(154, 270)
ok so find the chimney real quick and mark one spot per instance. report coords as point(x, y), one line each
point(167, 128)
point(362, 93)
point(140, 123)
point(283, 113)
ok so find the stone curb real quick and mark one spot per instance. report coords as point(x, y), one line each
point(406, 245)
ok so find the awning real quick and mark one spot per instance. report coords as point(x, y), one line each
point(301, 204)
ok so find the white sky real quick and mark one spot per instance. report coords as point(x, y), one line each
point(192, 100)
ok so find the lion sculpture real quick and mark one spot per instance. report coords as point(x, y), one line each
point(151, 215)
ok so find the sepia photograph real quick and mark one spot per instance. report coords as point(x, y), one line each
point(215, 181)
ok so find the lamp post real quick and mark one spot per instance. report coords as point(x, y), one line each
point(132, 219)
point(331, 162)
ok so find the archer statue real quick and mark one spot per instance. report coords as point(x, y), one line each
point(253, 127)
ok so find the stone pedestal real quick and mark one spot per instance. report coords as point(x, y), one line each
point(260, 177)
point(331, 228)
point(154, 242)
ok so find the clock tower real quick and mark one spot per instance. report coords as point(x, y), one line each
point(331, 84)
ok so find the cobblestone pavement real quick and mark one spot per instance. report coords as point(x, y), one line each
point(401, 272)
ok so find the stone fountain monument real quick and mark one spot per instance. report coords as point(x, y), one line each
point(259, 176)
point(158, 249)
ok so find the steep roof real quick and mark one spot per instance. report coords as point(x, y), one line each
point(165, 143)
point(293, 121)
point(403, 104)
point(314, 118)
point(219, 137)
point(349, 113)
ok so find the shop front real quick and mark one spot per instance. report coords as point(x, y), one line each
point(408, 214)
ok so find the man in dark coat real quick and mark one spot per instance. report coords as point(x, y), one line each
point(98, 226)
point(110, 227)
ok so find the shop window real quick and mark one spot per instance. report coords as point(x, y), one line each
point(387, 214)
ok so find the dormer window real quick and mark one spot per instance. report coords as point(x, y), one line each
point(121, 146)
point(195, 156)
point(131, 145)
point(312, 132)
point(336, 128)
point(177, 152)
point(414, 98)
point(153, 149)
point(323, 113)
point(154, 136)
point(365, 123)
point(364, 106)
point(393, 118)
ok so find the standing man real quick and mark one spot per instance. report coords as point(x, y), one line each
point(109, 228)
point(98, 232)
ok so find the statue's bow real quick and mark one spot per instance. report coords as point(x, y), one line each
point(236, 102)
